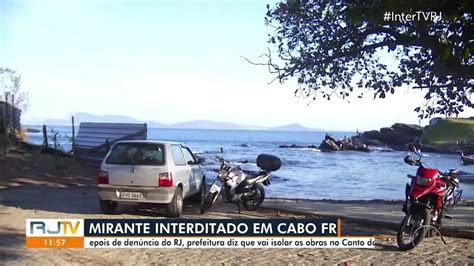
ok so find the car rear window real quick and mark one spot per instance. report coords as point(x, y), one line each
point(137, 154)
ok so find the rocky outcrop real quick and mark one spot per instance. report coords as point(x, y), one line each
point(294, 146)
point(393, 136)
point(331, 144)
point(32, 130)
point(328, 145)
point(349, 144)
point(396, 136)
point(413, 130)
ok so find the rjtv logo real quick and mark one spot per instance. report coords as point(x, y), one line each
point(54, 227)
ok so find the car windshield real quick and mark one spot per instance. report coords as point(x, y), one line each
point(137, 154)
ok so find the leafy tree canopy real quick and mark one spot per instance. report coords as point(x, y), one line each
point(334, 48)
point(10, 84)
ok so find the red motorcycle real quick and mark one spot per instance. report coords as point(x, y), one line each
point(427, 198)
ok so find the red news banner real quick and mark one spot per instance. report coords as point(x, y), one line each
point(190, 233)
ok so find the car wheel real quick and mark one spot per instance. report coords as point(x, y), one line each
point(207, 202)
point(108, 206)
point(175, 207)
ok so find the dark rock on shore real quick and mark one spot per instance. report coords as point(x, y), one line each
point(372, 135)
point(432, 138)
point(329, 145)
point(32, 130)
point(393, 136)
point(413, 130)
point(294, 146)
point(397, 136)
point(367, 141)
point(348, 144)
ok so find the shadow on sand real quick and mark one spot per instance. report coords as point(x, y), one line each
point(74, 200)
point(10, 240)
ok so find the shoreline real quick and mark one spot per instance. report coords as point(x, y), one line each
point(36, 168)
point(463, 201)
point(395, 137)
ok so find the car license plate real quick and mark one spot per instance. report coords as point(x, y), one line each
point(131, 195)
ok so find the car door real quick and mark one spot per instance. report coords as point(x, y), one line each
point(181, 170)
point(196, 170)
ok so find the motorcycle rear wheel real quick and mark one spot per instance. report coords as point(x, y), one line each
point(256, 199)
point(207, 202)
point(415, 226)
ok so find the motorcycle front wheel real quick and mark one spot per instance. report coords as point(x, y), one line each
point(207, 202)
point(413, 228)
point(255, 199)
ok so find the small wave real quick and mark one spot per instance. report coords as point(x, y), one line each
point(311, 149)
point(291, 162)
point(381, 149)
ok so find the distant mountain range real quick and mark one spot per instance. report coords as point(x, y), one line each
point(195, 124)
point(294, 127)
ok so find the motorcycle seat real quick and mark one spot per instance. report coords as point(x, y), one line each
point(253, 177)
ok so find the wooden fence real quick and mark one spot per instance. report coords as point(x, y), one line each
point(11, 115)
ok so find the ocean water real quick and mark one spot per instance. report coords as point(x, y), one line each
point(305, 173)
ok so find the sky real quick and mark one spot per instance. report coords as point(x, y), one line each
point(167, 61)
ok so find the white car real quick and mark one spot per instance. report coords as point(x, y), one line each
point(148, 171)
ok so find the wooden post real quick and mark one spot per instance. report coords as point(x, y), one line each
point(13, 114)
point(73, 136)
point(4, 118)
point(45, 137)
point(55, 135)
point(7, 116)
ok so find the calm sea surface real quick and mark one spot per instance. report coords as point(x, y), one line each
point(305, 173)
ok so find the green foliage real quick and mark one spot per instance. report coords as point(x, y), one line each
point(10, 83)
point(333, 48)
point(450, 131)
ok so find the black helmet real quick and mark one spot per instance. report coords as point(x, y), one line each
point(410, 160)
